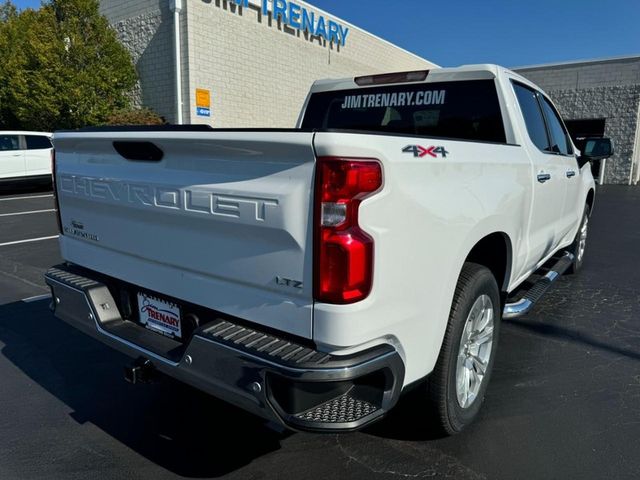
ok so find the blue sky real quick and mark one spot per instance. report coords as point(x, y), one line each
point(26, 3)
point(507, 32)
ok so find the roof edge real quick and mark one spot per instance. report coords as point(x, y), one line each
point(577, 62)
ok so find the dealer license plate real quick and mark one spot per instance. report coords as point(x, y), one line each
point(159, 315)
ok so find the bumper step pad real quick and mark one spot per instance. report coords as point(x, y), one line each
point(285, 351)
point(270, 346)
point(342, 409)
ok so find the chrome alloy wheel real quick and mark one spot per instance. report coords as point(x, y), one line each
point(475, 351)
point(582, 242)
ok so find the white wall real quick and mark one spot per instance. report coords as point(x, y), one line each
point(260, 71)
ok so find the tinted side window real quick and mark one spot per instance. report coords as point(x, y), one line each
point(9, 142)
point(532, 116)
point(38, 142)
point(560, 142)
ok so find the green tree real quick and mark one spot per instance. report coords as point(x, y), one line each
point(7, 11)
point(61, 66)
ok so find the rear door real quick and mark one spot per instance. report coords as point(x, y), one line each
point(11, 157)
point(549, 186)
point(218, 219)
point(569, 169)
point(37, 155)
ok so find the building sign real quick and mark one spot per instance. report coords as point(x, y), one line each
point(203, 102)
point(299, 18)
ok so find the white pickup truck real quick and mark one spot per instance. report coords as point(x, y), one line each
point(312, 275)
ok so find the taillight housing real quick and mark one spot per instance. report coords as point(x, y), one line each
point(343, 252)
point(55, 190)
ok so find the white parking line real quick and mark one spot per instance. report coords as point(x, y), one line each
point(36, 298)
point(25, 198)
point(26, 213)
point(29, 240)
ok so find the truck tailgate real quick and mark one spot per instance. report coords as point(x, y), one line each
point(223, 220)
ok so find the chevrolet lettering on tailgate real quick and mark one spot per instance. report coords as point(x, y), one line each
point(190, 200)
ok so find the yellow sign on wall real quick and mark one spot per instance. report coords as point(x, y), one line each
point(203, 102)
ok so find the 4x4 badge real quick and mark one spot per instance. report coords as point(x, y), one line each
point(419, 151)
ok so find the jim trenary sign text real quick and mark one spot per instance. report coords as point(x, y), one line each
point(302, 19)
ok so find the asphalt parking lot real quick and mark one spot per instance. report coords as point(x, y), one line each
point(564, 401)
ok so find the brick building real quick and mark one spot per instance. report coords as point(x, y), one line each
point(599, 98)
point(244, 63)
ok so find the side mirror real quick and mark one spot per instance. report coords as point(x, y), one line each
point(597, 149)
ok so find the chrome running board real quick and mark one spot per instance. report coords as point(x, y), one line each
point(537, 291)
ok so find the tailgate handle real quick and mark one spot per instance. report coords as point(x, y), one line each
point(139, 151)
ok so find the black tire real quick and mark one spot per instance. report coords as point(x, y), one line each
point(475, 282)
point(575, 248)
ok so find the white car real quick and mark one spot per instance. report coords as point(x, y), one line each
point(25, 156)
point(312, 275)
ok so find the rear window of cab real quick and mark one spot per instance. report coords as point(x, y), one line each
point(465, 110)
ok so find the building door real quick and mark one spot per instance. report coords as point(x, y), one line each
point(582, 129)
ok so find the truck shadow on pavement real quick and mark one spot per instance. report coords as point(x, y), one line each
point(178, 428)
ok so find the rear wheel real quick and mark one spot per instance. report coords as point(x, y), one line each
point(458, 383)
point(579, 245)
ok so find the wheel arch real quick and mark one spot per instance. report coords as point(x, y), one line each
point(494, 251)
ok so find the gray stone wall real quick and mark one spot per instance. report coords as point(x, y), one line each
point(607, 89)
point(619, 105)
point(145, 28)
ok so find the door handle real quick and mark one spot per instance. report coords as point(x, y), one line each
point(571, 173)
point(544, 177)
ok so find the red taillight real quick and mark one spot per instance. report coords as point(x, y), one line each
point(343, 251)
point(55, 190)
